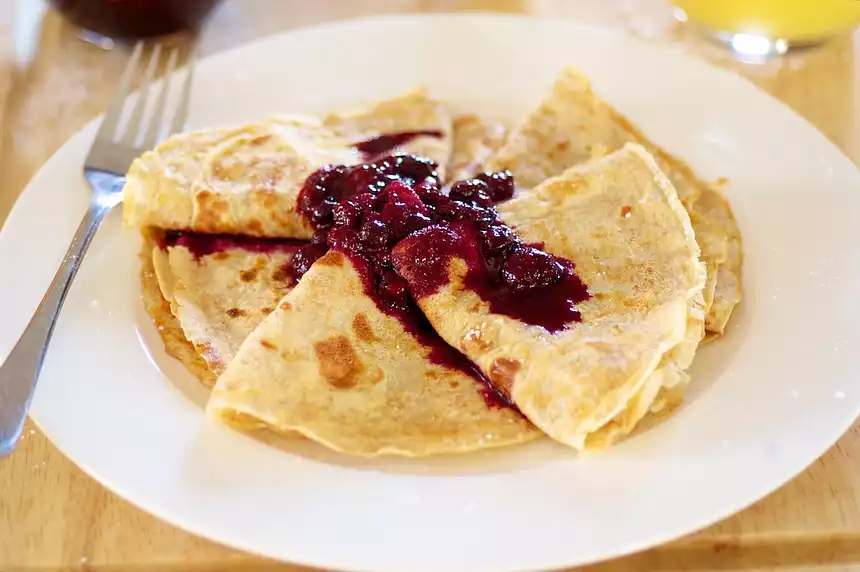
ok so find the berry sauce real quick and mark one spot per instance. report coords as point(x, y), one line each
point(517, 280)
point(392, 219)
point(386, 143)
point(201, 245)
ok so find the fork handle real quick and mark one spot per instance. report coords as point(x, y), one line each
point(19, 372)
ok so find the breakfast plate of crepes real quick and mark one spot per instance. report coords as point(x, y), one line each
point(452, 293)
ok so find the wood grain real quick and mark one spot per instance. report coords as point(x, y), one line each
point(53, 517)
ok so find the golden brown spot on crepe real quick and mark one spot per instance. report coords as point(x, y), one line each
point(285, 305)
point(255, 225)
point(282, 273)
point(502, 374)
point(476, 307)
point(721, 182)
point(363, 330)
point(211, 209)
point(212, 201)
point(625, 211)
point(454, 383)
point(248, 275)
point(268, 345)
point(339, 364)
point(719, 547)
point(266, 196)
point(473, 341)
point(222, 255)
point(208, 221)
point(332, 258)
point(235, 312)
point(434, 375)
point(266, 310)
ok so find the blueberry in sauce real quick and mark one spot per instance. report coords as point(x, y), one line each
point(347, 213)
point(410, 167)
point(527, 268)
point(472, 191)
point(497, 240)
point(500, 184)
point(375, 233)
point(305, 257)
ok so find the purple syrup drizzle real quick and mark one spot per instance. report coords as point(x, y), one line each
point(205, 244)
point(417, 324)
point(382, 144)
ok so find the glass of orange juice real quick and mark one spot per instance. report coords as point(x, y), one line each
point(761, 28)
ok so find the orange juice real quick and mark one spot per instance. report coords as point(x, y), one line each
point(796, 21)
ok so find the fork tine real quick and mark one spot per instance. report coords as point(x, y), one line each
point(109, 125)
point(152, 131)
point(134, 126)
point(177, 124)
point(113, 152)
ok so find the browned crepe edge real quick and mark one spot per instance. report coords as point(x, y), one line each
point(172, 337)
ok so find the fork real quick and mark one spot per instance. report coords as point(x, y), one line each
point(110, 156)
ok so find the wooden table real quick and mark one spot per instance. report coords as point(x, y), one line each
point(54, 517)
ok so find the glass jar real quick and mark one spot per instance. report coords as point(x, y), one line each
point(132, 19)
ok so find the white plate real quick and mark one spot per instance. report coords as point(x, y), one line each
point(765, 401)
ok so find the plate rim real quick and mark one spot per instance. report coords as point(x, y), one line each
point(330, 27)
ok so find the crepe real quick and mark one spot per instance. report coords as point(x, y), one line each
point(218, 298)
point(169, 330)
point(330, 365)
point(573, 125)
point(247, 180)
point(620, 221)
point(719, 236)
point(474, 142)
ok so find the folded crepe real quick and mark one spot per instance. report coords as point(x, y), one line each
point(573, 125)
point(620, 221)
point(720, 239)
point(247, 180)
point(220, 288)
point(329, 364)
point(173, 338)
